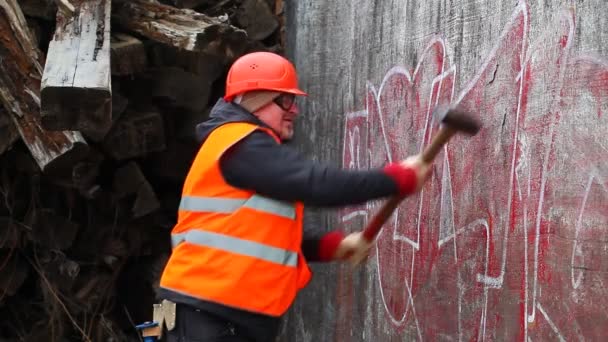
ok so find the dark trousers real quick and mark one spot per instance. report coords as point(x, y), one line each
point(194, 325)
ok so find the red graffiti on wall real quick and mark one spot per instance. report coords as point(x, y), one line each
point(507, 240)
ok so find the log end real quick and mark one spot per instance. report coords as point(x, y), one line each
point(77, 109)
point(128, 55)
point(135, 134)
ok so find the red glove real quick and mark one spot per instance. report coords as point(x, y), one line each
point(353, 248)
point(405, 177)
point(329, 244)
point(409, 174)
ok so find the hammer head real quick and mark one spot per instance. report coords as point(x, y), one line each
point(456, 119)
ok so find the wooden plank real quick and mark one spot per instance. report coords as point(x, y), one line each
point(182, 28)
point(76, 87)
point(20, 73)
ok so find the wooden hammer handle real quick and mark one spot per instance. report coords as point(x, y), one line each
point(429, 153)
point(442, 137)
point(378, 220)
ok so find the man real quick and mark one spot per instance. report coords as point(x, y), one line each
point(240, 253)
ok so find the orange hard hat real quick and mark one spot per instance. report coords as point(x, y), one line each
point(261, 71)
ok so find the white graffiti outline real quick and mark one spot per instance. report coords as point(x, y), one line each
point(520, 170)
point(396, 236)
point(590, 181)
point(471, 226)
point(530, 317)
point(351, 139)
point(364, 214)
point(551, 324)
point(522, 8)
point(577, 283)
point(488, 281)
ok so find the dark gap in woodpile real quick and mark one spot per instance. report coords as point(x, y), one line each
point(99, 100)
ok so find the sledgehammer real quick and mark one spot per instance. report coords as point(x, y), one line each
point(452, 121)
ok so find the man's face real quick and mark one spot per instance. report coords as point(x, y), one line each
point(280, 115)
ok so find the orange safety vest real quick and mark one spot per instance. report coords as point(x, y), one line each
point(233, 246)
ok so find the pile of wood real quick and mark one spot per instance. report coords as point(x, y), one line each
point(98, 104)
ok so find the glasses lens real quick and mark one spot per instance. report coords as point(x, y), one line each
point(285, 101)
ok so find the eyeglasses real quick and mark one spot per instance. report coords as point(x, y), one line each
point(285, 101)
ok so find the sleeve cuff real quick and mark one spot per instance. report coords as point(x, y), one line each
point(404, 177)
point(328, 244)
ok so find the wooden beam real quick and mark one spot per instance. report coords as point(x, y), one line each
point(188, 3)
point(182, 28)
point(8, 131)
point(180, 89)
point(172, 164)
point(20, 73)
point(44, 9)
point(279, 6)
point(76, 87)
point(50, 229)
point(66, 7)
point(136, 134)
point(128, 55)
point(13, 273)
point(130, 180)
point(257, 18)
point(14, 268)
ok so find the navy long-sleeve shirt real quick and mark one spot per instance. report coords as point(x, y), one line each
point(259, 163)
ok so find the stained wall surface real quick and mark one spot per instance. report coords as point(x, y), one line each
point(509, 238)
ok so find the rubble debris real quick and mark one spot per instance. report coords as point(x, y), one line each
point(95, 146)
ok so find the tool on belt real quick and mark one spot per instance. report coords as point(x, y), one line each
point(163, 315)
point(452, 121)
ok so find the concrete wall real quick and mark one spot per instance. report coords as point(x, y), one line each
point(509, 239)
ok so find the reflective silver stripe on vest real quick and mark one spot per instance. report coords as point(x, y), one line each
point(237, 246)
point(230, 205)
point(210, 204)
point(269, 205)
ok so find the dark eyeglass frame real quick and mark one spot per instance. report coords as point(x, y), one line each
point(285, 101)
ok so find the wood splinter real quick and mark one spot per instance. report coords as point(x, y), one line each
point(65, 7)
